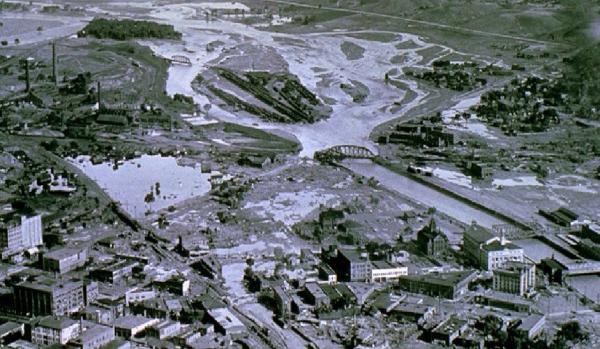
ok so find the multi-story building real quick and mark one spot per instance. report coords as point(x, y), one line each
point(488, 251)
point(114, 272)
point(54, 330)
point(11, 236)
point(93, 336)
point(139, 295)
point(177, 284)
point(386, 271)
point(431, 240)
point(31, 230)
point(447, 285)
point(351, 265)
point(282, 301)
point(63, 260)
point(48, 296)
point(515, 277)
point(20, 233)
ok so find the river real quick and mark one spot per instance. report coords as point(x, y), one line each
point(423, 194)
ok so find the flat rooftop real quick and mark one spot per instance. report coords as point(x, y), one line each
point(132, 321)
point(62, 253)
point(57, 323)
point(225, 318)
point(445, 279)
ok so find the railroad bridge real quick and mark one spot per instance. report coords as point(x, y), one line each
point(181, 60)
point(340, 152)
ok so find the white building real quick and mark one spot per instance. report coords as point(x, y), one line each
point(135, 296)
point(93, 336)
point(489, 251)
point(21, 234)
point(52, 330)
point(515, 277)
point(386, 271)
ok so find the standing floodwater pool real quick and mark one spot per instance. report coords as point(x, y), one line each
point(147, 183)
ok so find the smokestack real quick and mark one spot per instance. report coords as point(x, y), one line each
point(54, 75)
point(27, 81)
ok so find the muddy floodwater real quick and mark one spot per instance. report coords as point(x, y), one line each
point(132, 181)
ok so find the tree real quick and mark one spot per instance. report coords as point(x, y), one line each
point(572, 331)
point(489, 325)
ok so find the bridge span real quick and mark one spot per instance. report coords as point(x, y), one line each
point(341, 152)
point(179, 59)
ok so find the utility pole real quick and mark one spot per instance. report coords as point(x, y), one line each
point(98, 94)
point(54, 68)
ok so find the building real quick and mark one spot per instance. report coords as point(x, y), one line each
point(130, 325)
point(54, 330)
point(515, 277)
point(189, 336)
point(31, 230)
point(11, 331)
point(505, 301)
point(63, 260)
point(11, 237)
point(99, 314)
point(553, 270)
point(489, 251)
point(225, 321)
point(562, 216)
point(327, 274)
point(20, 233)
point(383, 271)
point(283, 302)
point(177, 285)
point(46, 296)
point(136, 296)
point(478, 170)
point(424, 134)
point(165, 329)
point(90, 291)
point(314, 295)
point(93, 336)
point(351, 265)
point(530, 326)
point(448, 285)
point(209, 266)
point(113, 273)
point(431, 241)
point(591, 231)
point(449, 330)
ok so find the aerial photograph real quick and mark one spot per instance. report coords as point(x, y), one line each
point(299, 174)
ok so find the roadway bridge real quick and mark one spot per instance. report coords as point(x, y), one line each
point(181, 60)
point(341, 152)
